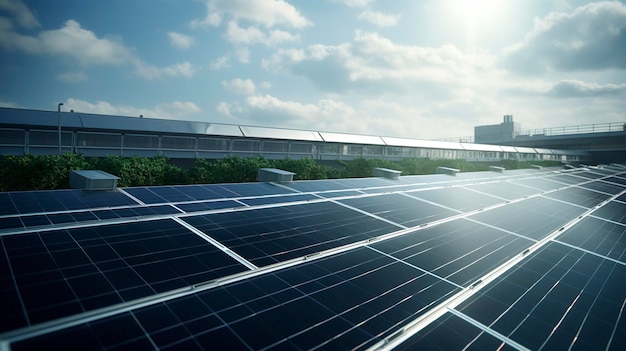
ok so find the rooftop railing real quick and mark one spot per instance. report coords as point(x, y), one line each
point(567, 130)
point(579, 129)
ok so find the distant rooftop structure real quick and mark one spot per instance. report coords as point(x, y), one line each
point(606, 142)
point(38, 132)
point(505, 131)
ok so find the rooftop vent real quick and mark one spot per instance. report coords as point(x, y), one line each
point(447, 170)
point(92, 180)
point(274, 175)
point(386, 173)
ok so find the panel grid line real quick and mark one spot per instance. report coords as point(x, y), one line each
point(488, 330)
point(131, 196)
point(416, 267)
point(216, 243)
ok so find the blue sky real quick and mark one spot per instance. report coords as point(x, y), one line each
point(420, 69)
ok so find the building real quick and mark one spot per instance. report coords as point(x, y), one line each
point(495, 133)
point(37, 132)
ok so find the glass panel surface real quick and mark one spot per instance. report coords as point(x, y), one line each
point(347, 301)
point(269, 235)
point(559, 298)
point(65, 272)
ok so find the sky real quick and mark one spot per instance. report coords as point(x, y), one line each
point(427, 69)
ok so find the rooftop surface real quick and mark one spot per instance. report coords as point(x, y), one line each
point(525, 259)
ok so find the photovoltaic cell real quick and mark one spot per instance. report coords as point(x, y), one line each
point(560, 298)
point(400, 209)
point(542, 183)
point(333, 194)
point(534, 217)
point(342, 302)
point(269, 235)
point(395, 188)
point(460, 251)
point(605, 187)
point(569, 179)
point(59, 273)
point(60, 200)
point(578, 196)
point(458, 198)
point(316, 185)
point(208, 205)
point(450, 332)
point(612, 211)
point(187, 193)
point(503, 190)
point(278, 199)
point(42, 220)
point(253, 189)
point(599, 236)
point(590, 174)
point(617, 180)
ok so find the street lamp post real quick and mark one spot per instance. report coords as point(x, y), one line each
point(59, 123)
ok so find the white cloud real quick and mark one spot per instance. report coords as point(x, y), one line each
point(84, 47)
point(372, 62)
point(172, 110)
point(240, 86)
point(355, 3)
point(243, 55)
point(72, 77)
point(230, 110)
point(20, 13)
point(269, 13)
point(220, 63)
point(72, 42)
point(268, 110)
point(578, 89)
point(180, 41)
point(253, 35)
point(184, 69)
point(380, 19)
point(591, 37)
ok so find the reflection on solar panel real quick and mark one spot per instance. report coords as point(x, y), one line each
point(514, 261)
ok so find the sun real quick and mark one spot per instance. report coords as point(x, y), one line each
point(474, 19)
point(480, 11)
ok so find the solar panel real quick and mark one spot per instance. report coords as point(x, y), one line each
point(401, 209)
point(560, 298)
point(59, 200)
point(269, 235)
point(516, 260)
point(451, 332)
point(613, 211)
point(533, 218)
point(579, 196)
point(60, 273)
point(458, 251)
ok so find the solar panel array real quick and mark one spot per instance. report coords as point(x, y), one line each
point(530, 259)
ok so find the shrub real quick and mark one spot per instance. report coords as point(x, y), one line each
point(32, 172)
point(141, 171)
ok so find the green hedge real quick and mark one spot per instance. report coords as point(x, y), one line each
point(52, 172)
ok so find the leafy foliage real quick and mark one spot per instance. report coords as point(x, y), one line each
point(138, 171)
point(38, 172)
point(52, 172)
